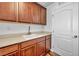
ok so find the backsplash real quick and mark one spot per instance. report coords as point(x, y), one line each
point(11, 28)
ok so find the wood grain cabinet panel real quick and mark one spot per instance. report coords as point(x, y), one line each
point(8, 11)
point(40, 39)
point(48, 37)
point(43, 15)
point(28, 43)
point(28, 48)
point(40, 48)
point(38, 14)
point(8, 49)
point(29, 51)
point(35, 13)
point(48, 46)
point(24, 12)
point(48, 43)
point(16, 53)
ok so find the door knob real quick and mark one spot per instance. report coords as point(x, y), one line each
point(75, 36)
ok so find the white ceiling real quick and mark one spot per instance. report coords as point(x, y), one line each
point(45, 4)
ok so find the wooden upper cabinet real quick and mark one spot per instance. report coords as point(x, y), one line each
point(7, 11)
point(34, 13)
point(43, 15)
point(24, 12)
point(31, 12)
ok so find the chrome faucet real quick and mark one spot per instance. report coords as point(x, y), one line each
point(29, 30)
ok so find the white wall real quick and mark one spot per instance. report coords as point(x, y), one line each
point(9, 28)
point(49, 27)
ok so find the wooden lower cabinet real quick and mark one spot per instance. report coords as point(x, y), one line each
point(9, 50)
point(16, 53)
point(35, 47)
point(48, 43)
point(40, 48)
point(29, 51)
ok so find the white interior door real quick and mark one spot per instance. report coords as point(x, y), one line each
point(65, 27)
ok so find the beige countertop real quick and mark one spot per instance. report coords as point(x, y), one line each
point(6, 40)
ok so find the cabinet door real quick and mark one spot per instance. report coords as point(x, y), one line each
point(34, 12)
point(13, 54)
point(7, 11)
point(29, 51)
point(48, 44)
point(40, 48)
point(43, 15)
point(24, 12)
point(8, 49)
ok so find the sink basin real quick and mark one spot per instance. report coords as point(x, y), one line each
point(32, 36)
point(29, 36)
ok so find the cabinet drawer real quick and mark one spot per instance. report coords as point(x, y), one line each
point(8, 49)
point(27, 43)
point(40, 39)
point(48, 37)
